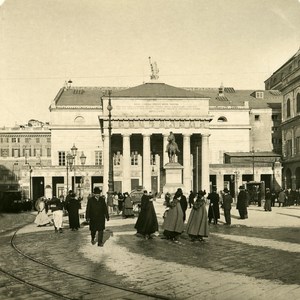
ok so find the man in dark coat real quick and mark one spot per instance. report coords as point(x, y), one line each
point(96, 212)
point(213, 210)
point(241, 204)
point(183, 201)
point(226, 205)
point(146, 223)
point(73, 205)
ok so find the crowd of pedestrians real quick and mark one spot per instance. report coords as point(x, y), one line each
point(204, 211)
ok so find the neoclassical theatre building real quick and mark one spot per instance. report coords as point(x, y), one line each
point(225, 138)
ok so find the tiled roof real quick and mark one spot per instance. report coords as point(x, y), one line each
point(159, 90)
point(81, 96)
point(233, 97)
point(91, 96)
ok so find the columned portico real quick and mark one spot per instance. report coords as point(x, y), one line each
point(205, 163)
point(126, 163)
point(146, 162)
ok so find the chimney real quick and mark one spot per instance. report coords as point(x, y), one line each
point(69, 84)
point(221, 90)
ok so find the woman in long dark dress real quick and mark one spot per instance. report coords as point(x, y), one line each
point(73, 206)
point(146, 223)
point(197, 225)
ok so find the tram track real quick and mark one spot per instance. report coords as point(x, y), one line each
point(74, 285)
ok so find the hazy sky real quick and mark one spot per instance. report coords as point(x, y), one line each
point(199, 43)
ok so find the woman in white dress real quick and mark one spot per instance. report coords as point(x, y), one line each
point(42, 218)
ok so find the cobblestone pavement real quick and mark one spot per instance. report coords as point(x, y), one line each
point(256, 258)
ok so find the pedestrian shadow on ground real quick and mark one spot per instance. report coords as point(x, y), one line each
point(107, 234)
point(288, 215)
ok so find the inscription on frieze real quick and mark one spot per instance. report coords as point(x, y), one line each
point(161, 107)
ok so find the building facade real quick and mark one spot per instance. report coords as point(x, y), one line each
point(287, 80)
point(25, 152)
point(226, 138)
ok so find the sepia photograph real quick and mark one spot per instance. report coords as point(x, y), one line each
point(150, 149)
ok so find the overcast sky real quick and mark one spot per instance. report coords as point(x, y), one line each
point(200, 43)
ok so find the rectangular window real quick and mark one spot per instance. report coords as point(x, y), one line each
point(26, 152)
point(275, 117)
point(298, 145)
point(15, 152)
point(48, 140)
point(134, 158)
point(98, 158)
point(37, 152)
point(288, 148)
point(27, 140)
point(4, 152)
point(260, 95)
point(37, 140)
point(256, 118)
point(61, 158)
point(48, 152)
point(117, 159)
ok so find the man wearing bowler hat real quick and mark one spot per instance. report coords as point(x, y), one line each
point(96, 213)
point(226, 205)
point(241, 204)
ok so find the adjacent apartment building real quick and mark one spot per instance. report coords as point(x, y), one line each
point(287, 80)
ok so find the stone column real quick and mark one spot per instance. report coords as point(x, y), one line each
point(105, 164)
point(126, 164)
point(146, 162)
point(165, 154)
point(187, 180)
point(219, 181)
point(205, 163)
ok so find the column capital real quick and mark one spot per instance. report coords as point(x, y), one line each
point(146, 135)
point(126, 134)
point(205, 135)
point(187, 135)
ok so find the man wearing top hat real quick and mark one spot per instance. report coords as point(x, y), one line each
point(96, 213)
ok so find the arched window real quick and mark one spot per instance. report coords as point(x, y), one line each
point(79, 120)
point(298, 102)
point(288, 108)
point(222, 119)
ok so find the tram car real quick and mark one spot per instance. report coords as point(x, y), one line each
point(11, 201)
point(256, 190)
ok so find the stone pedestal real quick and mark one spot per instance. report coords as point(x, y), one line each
point(173, 177)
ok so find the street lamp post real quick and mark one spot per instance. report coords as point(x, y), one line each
point(110, 165)
point(82, 161)
point(74, 153)
point(253, 163)
point(69, 166)
point(30, 182)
